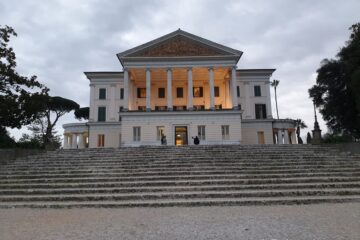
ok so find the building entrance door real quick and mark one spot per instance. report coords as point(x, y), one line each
point(181, 137)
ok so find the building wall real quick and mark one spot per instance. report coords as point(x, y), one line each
point(250, 129)
point(212, 122)
point(112, 135)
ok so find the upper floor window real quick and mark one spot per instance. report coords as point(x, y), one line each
point(179, 92)
point(161, 92)
point(260, 111)
point(238, 91)
point(121, 93)
point(197, 91)
point(257, 91)
point(102, 93)
point(141, 92)
point(102, 114)
point(217, 91)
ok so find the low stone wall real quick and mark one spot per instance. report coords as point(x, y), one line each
point(7, 155)
point(347, 147)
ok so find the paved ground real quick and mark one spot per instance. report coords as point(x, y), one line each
point(315, 222)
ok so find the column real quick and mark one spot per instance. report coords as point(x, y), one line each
point(286, 136)
point(190, 90)
point(169, 89)
point(233, 88)
point(148, 89)
point(268, 101)
point(81, 141)
point(92, 110)
point(279, 134)
point(211, 85)
point(126, 89)
point(74, 140)
point(65, 141)
point(247, 107)
point(112, 110)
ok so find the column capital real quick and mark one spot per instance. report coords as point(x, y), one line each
point(211, 68)
point(189, 68)
point(126, 69)
point(234, 67)
point(169, 69)
point(148, 69)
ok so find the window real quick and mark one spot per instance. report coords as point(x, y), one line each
point(179, 92)
point(179, 108)
point(102, 93)
point(141, 92)
point(239, 106)
point(201, 132)
point(238, 91)
point(225, 132)
point(137, 134)
point(120, 110)
point(161, 92)
point(199, 107)
point(160, 131)
point(260, 111)
point(160, 108)
point(102, 114)
point(141, 108)
point(218, 107)
point(101, 140)
point(197, 92)
point(121, 93)
point(257, 91)
point(217, 91)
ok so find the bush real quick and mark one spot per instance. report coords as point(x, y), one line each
point(333, 138)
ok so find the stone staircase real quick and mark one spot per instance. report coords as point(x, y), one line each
point(182, 176)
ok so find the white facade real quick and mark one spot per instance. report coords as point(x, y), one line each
point(182, 86)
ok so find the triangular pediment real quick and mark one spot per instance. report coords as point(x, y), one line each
point(179, 44)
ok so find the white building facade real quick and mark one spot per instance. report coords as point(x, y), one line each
point(179, 86)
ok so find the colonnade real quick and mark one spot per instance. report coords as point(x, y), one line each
point(75, 140)
point(190, 88)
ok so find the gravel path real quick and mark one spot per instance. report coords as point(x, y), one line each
point(313, 222)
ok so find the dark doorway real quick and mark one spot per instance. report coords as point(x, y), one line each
point(181, 136)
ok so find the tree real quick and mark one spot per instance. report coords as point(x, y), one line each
point(82, 113)
point(300, 124)
point(45, 123)
point(337, 88)
point(5, 140)
point(274, 84)
point(16, 92)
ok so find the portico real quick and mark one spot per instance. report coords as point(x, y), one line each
point(175, 88)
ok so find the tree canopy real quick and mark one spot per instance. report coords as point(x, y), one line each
point(82, 113)
point(16, 92)
point(337, 88)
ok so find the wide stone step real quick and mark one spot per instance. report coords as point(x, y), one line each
point(174, 172)
point(176, 165)
point(177, 182)
point(181, 195)
point(203, 188)
point(186, 202)
point(164, 169)
point(180, 177)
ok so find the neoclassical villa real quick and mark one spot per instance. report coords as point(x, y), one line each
point(179, 86)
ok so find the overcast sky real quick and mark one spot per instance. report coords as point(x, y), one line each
point(59, 40)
